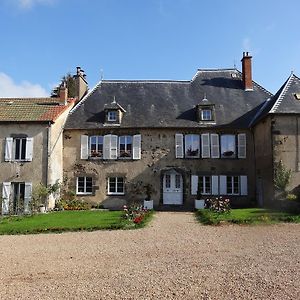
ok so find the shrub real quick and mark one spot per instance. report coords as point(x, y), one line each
point(72, 204)
point(135, 213)
point(291, 197)
point(218, 204)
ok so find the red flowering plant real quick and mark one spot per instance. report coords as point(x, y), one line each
point(218, 204)
point(135, 213)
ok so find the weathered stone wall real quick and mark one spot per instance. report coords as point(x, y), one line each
point(158, 154)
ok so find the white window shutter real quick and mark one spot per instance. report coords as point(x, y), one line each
point(27, 196)
point(242, 145)
point(29, 149)
point(194, 184)
point(113, 147)
point(179, 145)
point(6, 189)
point(223, 185)
point(9, 149)
point(244, 185)
point(205, 145)
point(84, 151)
point(215, 185)
point(136, 146)
point(106, 146)
point(215, 145)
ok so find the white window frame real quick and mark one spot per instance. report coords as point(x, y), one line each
point(232, 185)
point(185, 146)
point(110, 114)
point(84, 186)
point(22, 140)
point(126, 145)
point(222, 145)
point(97, 145)
point(204, 191)
point(205, 113)
point(109, 192)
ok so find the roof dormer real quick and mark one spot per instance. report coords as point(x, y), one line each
point(113, 113)
point(205, 112)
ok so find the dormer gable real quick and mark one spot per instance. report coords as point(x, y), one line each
point(205, 112)
point(113, 113)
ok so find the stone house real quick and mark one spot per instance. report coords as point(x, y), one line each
point(177, 136)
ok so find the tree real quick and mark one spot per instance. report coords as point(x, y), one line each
point(282, 177)
point(70, 83)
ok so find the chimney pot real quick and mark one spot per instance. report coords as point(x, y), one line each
point(247, 71)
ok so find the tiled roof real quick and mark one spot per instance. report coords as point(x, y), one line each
point(151, 103)
point(31, 109)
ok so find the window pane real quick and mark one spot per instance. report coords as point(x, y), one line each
point(206, 114)
point(228, 145)
point(177, 181)
point(192, 145)
point(201, 184)
point(23, 148)
point(80, 184)
point(17, 148)
point(168, 181)
point(112, 184)
point(236, 185)
point(229, 185)
point(125, 146)
point(207, 185)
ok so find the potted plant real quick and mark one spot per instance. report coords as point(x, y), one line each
point(199, 202)
point(148, 202)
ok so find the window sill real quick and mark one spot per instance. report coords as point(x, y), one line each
point(84, 194)
point(115, 194)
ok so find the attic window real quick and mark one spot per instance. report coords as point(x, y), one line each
point(297, 96)
point(206, 114)
point(112, 116)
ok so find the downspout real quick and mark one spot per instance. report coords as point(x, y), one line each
point(254, 155)
point(48, 158)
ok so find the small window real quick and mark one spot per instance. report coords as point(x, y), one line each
point(84, 185)
point(205, 185)
point(125, 146)
point(112, 116)
point(192, 146)
point(96, 146)
point(233, 185)
point(116, 186)
point(228, 148)
point(206, 115)
point(19, 148)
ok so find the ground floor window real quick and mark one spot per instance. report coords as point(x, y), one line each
point(233, 185)
point(205, 185)
point(84, 185)
point(115, 186)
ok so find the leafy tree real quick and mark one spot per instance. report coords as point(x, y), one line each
point(70, 83)
point(282, 177)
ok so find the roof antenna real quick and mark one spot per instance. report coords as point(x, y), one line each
point(204, 97)
point(234, 64)
point(101, 74)
point(114, 100)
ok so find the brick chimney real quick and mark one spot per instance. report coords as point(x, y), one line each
point(63, 93)
point(247, 71)
point(80, 83)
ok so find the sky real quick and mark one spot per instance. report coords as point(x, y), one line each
point(42, 40)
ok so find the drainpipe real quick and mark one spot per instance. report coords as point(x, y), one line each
point(48, 158)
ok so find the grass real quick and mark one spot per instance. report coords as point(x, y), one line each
point(246, 216)
point(67, 221)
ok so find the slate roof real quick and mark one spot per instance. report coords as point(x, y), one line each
point(171, 103)
point(31, 109)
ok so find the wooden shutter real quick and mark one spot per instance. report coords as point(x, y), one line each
point(27, 196)
point(29, 149)
point(215, 145)
point(106, 146)
point(9, 149)
point(205, 145)
point(6, 189)
point(244, 185)
point(84, 152)
point(179, 145)
point(194, 184)
point(242, 145)
point(215, 185)
point(136, 146)
point(223, 185)
point(113, 147)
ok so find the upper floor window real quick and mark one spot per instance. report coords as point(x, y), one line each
point(192, 146)
point(96, 146)
point(112, 116)
point(125, 146)
point(18, 149)
point(228, 148)
point(206, 115)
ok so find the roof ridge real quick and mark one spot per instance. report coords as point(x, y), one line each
point(146, 81)
point(282, 94)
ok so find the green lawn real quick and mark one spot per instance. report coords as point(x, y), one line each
point(246, 216)
point(64, 221)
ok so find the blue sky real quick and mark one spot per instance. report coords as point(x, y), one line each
point(41, 40)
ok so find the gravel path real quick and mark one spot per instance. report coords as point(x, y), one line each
point(173, 258)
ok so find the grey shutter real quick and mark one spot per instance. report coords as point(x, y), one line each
point(215, 185)
point(194, 184)
point(205, 145)
point(179, 145)
point(244, 185)
point(106, 146)
point(6, 189)
point(215, 145)
point(84, 150)
point(136, 146)
point(242, 145)
point(29, 149)
point(27, 196)
point(9, 149)
point(223, 185)
point(113, 147)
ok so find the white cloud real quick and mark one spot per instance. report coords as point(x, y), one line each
point(8, 88)
point(27, 4)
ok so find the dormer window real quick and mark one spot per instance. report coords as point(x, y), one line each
point(206, 115)
point(112, 116)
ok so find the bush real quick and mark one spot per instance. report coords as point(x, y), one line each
point(291, 197)
point(218, 204)
point(136, 214)
point(72, 204)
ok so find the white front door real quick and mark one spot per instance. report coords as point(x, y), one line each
point(172, 188)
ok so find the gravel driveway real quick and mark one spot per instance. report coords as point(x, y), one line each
point(173, 258)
